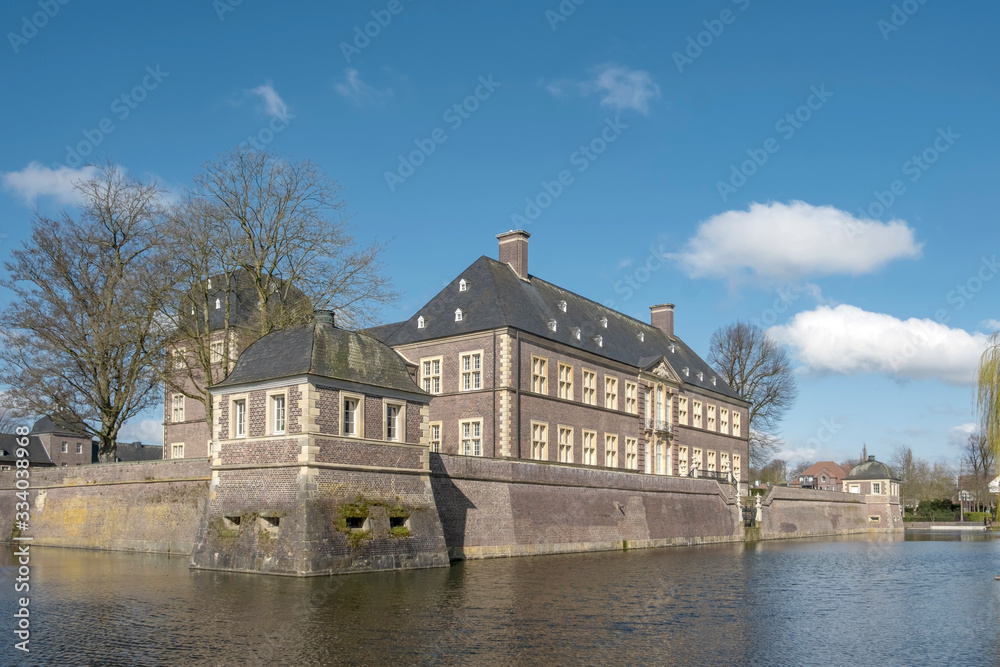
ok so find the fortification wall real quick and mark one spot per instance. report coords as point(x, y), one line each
point(494, 508)
point(790, 512)
point(152, 506)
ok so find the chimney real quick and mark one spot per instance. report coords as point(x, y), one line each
point(662, 317)
point(514, 251)
point(323, 317)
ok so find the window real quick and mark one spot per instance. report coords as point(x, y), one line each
point(631, 453)
point(736, 423)
point(610, 450)
point(352, 411)
point(724, 461)
point(539, 375)
point(65, 447)
point(421, 323)
point(658, 457)
point(435, 436)
point(179, 358)
point(394, 421)
point(696, 459)
point(724, 421)
point(659, 403)
point(472, 371)
point(458, 314)
point(472, 439)
point(610, 393)
point(711, 461)
point(177, 404)
point(79, 448)
point(565, 381)
point(539, 441)
point(589, 448)
point(682, 410)
point(430, 375)
point(589, 387)
point(565, 444)
point(736, 466)
point(177, 451)
point(697, 413)
point(240, 418)
point(462, 285)
point(876, 487)
point(216, 350)
point(682, 461)
point(218, 304)
point(631, 402)
point(278, 414)
point(711, 417)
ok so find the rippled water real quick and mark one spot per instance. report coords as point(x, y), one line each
point(928, 599)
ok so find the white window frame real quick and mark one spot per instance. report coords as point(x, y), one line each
point(216, 351)
point(65, 447)
point(724, 421)
point(565, 379)
point(696, 413)
point(234, 416)
point(539, 374)
point(177, 408)
point(470, 441)
point(400, 426)
point(632, 453)
point(589, 389)
point(697, 459)
point(177, 450)
point(610, 392)
point(565, 435)
point(876, 487)
point(682, 410)
point(359, 415)
point(180, 362)
point(79, 448)
point(539, 441)
point(631, 398)
point(736, 424)
point(434, 436)
point(589, 457)
point(610, 450)
point(431, 374)
point(710, 464)
point(710, 417)
point(737, 463)
point(682, 460)
point(724, 462)
point(277, 424)
point(471, 379)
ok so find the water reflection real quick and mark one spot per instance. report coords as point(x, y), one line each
point(919, 600)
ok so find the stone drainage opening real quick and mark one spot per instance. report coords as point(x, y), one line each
point(269, 524)
point(231, 522)
point(357, 523)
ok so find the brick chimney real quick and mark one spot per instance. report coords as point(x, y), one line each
point(323, 317)
point(514, 251)
point(662, 317)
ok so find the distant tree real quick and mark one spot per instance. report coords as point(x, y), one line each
point(272, 229)
point(921, 480)
point(758, 368)
point(988, 393)
point(80, 338)
point(774, 472)
point(978, 461)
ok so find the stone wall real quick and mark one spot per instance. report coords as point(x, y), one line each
point(492, 508)
point(152, 506)
point(788, 512)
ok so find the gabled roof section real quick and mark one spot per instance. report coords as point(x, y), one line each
point(495, 297)
point(37, 456)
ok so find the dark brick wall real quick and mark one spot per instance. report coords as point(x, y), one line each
point(328, 421)
point(355, 452)
point(257, 451)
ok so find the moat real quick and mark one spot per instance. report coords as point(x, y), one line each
point(926, 598)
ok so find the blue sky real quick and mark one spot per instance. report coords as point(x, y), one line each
point(823, 169)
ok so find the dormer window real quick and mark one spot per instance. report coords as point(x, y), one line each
point(463, 286)
point(713, 380)
point(459, 314)
point(576, 332)
point(672, 348)
point(701, 376)
point(552, 325)
point(604, 322)
point(686, 371)
point(562, 306)
point(218, 304)
point(420, 322)
point(642, 337)
point(599, 340)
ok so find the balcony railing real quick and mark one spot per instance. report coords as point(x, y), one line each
point(659, 425)
point(725, 477)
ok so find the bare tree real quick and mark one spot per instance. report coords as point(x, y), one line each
point(758, 369)
point(775, 472)
point(81, 338)
point(273, 235)
point(978, 458)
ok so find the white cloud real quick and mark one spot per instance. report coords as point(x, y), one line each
point(619, 87)
point(989, 326)
point(789, 241)
point(359, 92)
point(273, 104)
point(36, 181)
point(958, 436)
point(852, 341)
point(147, 431)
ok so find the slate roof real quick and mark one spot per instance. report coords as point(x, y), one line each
point(37, 456)
point(871, 469)
point(135, 451)
point(496, 297)
point(242, 298)
point(49, 425)
point(323, 350)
